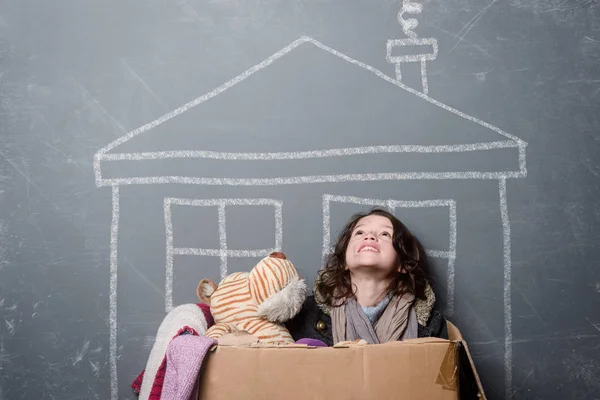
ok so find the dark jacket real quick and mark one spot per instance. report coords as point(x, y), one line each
point(312, 323)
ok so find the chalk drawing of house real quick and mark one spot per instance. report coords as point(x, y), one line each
point(303, 136)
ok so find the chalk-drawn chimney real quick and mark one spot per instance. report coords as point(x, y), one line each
point(413, 51)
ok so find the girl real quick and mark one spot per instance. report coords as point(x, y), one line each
point(374, 286)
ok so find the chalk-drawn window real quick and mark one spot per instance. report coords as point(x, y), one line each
point(432, 221)
point(220, 228)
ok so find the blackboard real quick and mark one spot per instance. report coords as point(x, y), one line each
point(145, 145)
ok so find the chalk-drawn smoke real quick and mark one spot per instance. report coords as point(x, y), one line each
point(413, 49)
point(408, 25)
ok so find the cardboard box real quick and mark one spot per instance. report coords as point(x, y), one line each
point(424, 368)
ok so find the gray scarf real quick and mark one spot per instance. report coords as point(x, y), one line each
point(397, 322)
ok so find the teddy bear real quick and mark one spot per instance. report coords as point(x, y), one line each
point(258, 302)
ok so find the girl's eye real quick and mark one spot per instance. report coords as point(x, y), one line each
point(358, 233)
point(386, 234)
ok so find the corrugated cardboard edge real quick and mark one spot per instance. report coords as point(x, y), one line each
point(455, 335)
point(341, 345)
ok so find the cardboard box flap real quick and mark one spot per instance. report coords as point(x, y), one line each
point(256, 344)
point(470, 384)
point(343, 345)
point(423, 340)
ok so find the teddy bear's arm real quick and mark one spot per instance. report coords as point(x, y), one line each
point(220, 329)
point(268, 332)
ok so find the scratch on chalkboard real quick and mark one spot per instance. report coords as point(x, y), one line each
point(563, 11)
point(589, 162)
point(5, 356)
point(565, 335)
point(471, 44)
point(470, 25)
point(583, 368)
point(35, 307)
point(6, 359)
point(593, 324)
point(144, 84)
point(51, 367)
point(81, 353)
point(145, 279)
point(577, 222)
point(30, 181)
point(553, 6)
point(11, 326)
point(93, 103)
point(97, 350)
point(531, 306)
point(68, 159)
point(95, 368)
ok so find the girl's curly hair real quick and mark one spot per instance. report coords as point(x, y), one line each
point(333, 281)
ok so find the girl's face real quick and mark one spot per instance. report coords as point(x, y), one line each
point(371, 245)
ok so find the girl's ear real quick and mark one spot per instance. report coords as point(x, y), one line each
point(402, 270)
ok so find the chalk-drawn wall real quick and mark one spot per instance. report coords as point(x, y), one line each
point(313, 162)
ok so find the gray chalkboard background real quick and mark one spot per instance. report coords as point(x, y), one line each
point(146, 144)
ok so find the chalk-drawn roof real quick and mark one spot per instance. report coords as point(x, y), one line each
point(301, 108)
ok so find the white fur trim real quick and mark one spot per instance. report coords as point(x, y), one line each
point(184, 315)
point(423, 307)
point(285, 304)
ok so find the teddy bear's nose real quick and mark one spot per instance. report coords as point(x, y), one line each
point(277, 254)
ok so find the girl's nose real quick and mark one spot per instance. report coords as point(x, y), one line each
point(369, 236)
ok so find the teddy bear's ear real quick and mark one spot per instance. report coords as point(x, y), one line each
point(278, 254)
point(205, 290)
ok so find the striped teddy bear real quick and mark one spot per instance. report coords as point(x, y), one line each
point(258, 302)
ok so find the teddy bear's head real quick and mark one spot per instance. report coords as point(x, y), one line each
point(274, 288)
